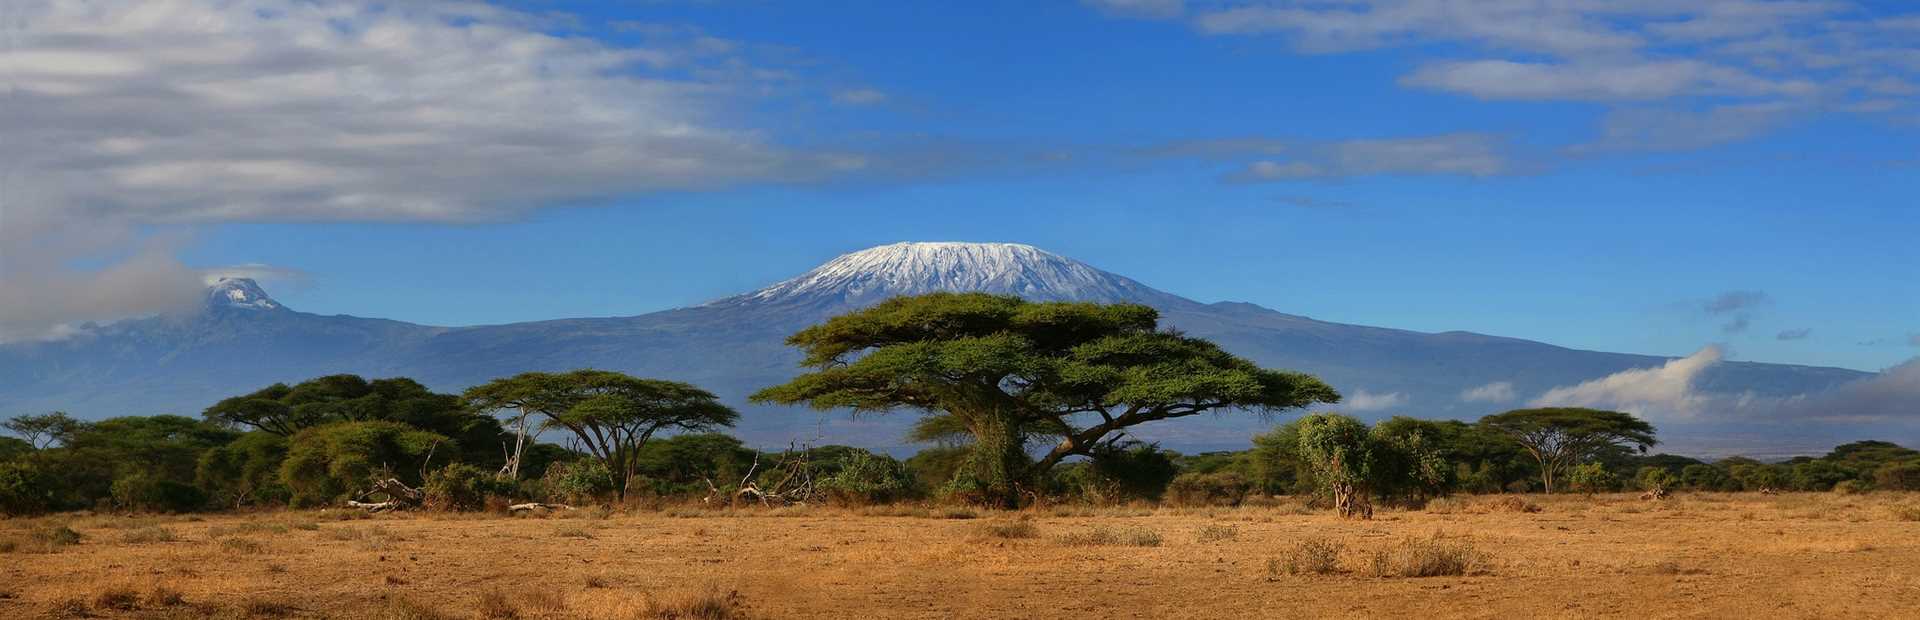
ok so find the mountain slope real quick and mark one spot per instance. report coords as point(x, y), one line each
point(243, 340)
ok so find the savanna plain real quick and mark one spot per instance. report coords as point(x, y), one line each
point(1696, 555)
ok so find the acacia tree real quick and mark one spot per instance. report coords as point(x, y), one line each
point(1340, 451)
point(611, 414)
point(285, 410)
point(1561, 437)
point(43, 430)
point(1010, 371)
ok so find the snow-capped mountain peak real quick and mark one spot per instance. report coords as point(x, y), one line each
point(871, 275)
point(242, 293)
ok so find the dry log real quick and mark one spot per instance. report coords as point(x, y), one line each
point(537, 506)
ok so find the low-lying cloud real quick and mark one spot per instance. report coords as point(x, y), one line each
point(1669, 393)
point(123, 119)
point(1362, 400)
point(1496, 392)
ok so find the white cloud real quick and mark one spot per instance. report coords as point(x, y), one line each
point(859, 96)
point(1147, 9)
point(1627, 81)
point(1466, 154)
point(1362, 400)
point(1665, 391)
point(124, 117)
point(1496, 392)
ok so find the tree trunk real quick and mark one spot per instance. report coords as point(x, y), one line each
point(1351, 501)
point(1546, 478)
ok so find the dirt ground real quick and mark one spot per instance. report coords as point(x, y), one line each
point(1697, 555)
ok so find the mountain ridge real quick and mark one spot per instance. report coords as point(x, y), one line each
point(734, 345)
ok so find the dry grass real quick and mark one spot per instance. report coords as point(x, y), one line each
point(148, 535)
point(1424, 557)
point(1697, 555)
point(1103, 536)
point(1312, 556)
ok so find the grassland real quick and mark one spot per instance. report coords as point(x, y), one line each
point(1697, 555)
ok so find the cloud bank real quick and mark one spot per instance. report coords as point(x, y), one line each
point(1669, 393)
point(124, 119)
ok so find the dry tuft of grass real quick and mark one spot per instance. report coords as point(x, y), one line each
point(1214, 532)
point(1515, 504)
point(1006, 530)
point(495, 605)
point(117, 598)
point(1674, 568)
point(243, 545)
point(1906, 513)
point(268, 608)
point(960, 513)
point(707, 605)
point(573, 531)
point(1429, 557)
point(163, 596)
point(1132, 536)
point(1313, 556)
point(404, 608)
point(148, 535)
point(249, 527)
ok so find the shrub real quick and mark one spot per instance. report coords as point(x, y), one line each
point(1650, 478)
point(1415, 557)
point(708, 605)
point(145, 493)
point(245, 472)
point(1215, 489)
point(327, 463)
point(117, 598)
point(462, 487)
point(146, 535)
point(867, 478)
point(24, 489)
point(1902, 476)
point(1120, 473)
point(1592, 478)
point(494, 605)
point(584, 481)
point(1105, 536)
point(1216, 533)
point(1850, 487)
point(53, 536)
point(1007, 530)
point(1311, 556)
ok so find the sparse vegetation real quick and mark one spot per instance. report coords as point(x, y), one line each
point(1128, 536)
point(147, 535)
point(1312, 556)
point(1007, 530)
point(1424, 557)
point(1214, 532)
point(706, 605)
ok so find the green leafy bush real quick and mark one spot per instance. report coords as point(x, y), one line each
point(327, 463)
point(867, 478)
point(147, 493)
point(462, 487)
point(1216, 489)
point(24, 489)
point(1592, 478)
point(582, 481)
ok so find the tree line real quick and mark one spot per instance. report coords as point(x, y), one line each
point(1021, 402)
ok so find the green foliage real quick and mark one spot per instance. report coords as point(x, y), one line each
point(1223, 488)
point(285, 410)
point(460, 487)
point(44, 430)
point(325, 464)
point(610, 414)
point(867, 478)
point(13, 449)
point(1704, 477)
point(934, 468)
point(1651, 477)
point(681, 464)
point(1818, 475)
point(1339, 449)
point(1901, 476)
point(1275, 464)
point(1409, 461)
point(1592, 478)
point(24, 489)
point(1121, 473)
point(581, 481)
point(245, 472)
point(149, 494)
point(1561, 437)
point(1007, 370)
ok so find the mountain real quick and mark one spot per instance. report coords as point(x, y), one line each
point(242, 339)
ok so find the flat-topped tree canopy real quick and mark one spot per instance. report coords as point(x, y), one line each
point(1005, 368)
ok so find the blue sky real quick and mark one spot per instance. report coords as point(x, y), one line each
point(1620, 176)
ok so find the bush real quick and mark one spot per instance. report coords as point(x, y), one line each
point(24, 490)
point(584, 481)
point(1592, 478)
point(1216, 489)
point(1117, 474)
point(1104, 536)
point(327, 463)
point(460, 487)
point(245, 472)
point(1903, 476)
point(1311, 556)
point(144, 493)
point(1650, 478)
point(1424, 558)
point(867, 478)
point(1851, 487)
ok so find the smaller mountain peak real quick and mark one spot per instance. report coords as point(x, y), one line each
point(243, 293)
